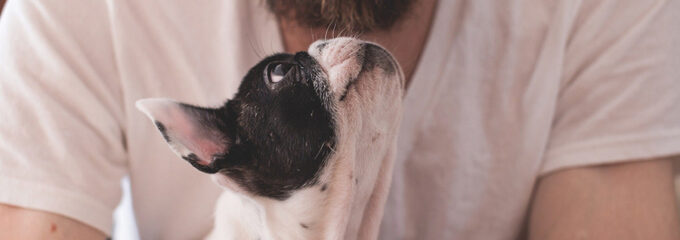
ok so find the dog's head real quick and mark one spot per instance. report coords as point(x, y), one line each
point(291, 115)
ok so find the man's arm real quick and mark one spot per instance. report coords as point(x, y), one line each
point(61, 149)
point(15, 223)
point(633, 200)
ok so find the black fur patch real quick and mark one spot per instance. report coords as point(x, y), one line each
point(193, 159)
point(278, 135)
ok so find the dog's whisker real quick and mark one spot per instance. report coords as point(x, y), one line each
point(342, 31)
point(253, 48)
point(319, 152)
point(331, 148)
point(333, 33)
point(325, 35)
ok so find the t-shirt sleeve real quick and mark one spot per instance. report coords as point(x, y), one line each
point(619, 98)
point(61, 131)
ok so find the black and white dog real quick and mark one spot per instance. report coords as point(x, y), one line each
point(305, 148)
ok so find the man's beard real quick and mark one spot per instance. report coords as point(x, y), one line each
point(351, 16)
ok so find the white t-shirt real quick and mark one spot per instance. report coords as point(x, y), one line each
point(505, 92)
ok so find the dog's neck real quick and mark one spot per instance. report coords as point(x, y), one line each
point(245, 217)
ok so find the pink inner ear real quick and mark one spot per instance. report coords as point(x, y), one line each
point(204, 148)
point(196, 138)
point(185, 133)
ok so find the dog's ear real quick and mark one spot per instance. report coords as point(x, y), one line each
point(198, 135)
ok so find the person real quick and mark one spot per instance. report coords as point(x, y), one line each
point(523, 119)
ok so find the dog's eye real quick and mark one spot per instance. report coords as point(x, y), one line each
point(278, 71)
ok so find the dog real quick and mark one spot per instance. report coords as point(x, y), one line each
point(305, 148)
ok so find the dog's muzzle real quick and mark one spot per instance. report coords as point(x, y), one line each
point(344, 59)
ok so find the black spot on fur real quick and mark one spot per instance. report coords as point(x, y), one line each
point(163, 130)
point(304, 226)
point(321, 46)
point(375, 137)
point(323, 188)
point(356, 180)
